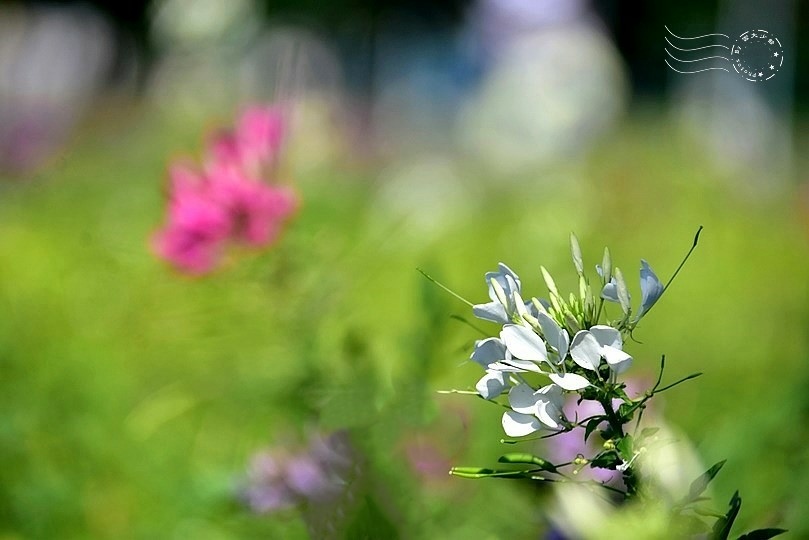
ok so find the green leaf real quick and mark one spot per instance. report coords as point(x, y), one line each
point(648, 432)
point(528, 458)
point(626, 410)
point(762, 534)
point(606, 460)
point(721, 529)
point(626, 447)
point(620, 391)
point(701, 484)
point(591, 426)
point(707, 512)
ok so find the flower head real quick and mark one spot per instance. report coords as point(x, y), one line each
point(256, 210)
point(230, 200)
point(502, 285)
point(197, 226)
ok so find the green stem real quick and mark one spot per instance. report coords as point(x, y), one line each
point(672, 385)
point(612, 416)
point(450, 291)
point(630, 478)
point(598, 313)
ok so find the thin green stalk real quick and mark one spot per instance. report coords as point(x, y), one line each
point(450, 291)
point(672, 385)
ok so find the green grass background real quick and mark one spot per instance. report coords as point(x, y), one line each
point(131, 398)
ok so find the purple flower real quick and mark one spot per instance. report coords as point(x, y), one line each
point(283, 478)
point(566, 446)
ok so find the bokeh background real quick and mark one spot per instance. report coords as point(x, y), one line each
point(443, 135)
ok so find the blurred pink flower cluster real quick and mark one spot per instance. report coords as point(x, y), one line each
point(231, 199)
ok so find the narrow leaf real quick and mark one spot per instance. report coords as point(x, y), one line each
point(591, 426)
point(762, 534)
point(626, 447)
point(701, 484)
point(648, 432)
point(606, 460)
point(721, 529)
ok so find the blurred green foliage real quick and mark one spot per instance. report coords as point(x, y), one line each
point(132, 397)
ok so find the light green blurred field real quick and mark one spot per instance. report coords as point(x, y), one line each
point(131, 398)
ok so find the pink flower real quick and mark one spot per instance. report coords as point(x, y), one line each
point(197, 226)
point(260, 132)
point(229, 202)
point(254, 143)
point(256, 210)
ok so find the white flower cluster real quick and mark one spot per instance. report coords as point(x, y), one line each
point(535, 338)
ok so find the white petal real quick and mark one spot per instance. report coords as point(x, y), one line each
point(521, 398)
point(506, 271)
point(554, 334)
point(488, 351)
point(515, 366)
point(492, 384)
point(519, 425)
point(607, 336)
point(552, 393)
point(570, 381)
point(585, 350)
point(523, 343)
point(610, 291)
point(548, 414)
point(618, 360)
point(493, 311)
point(506, 278)
point(650, 286)
point(549, 407)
